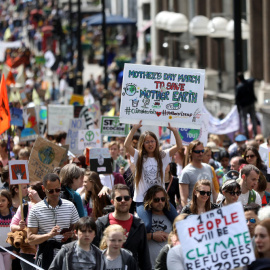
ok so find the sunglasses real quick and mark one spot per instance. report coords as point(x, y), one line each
point(250, 156)
point(120, 198)
point(233, 193)
point(156, 200)
point(202, 192)
point(251, 220)
point(51, 191)
point(198, 151)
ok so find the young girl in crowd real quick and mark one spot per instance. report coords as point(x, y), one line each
point(150, 167)
point(91, 201)
point(5, 220)
point(115, 256)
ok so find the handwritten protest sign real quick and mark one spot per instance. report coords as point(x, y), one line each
point(91, 114)
point(158, 95)
point(30, 131)
point(89, 138)
point(188, 135)
point(100, 160)
point(45, 156)
point(42, 113)
point(58, 118)
point(76, 100)
point(75, 125)
point(18, 172)
point(218, 239)
point(111, 126)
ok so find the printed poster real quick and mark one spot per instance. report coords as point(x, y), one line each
point(89, 138)
point(58, 118)
point(16, 117)
point(188, 135)
point(218, 239)
point(75, 125)
point(18, 172)
point(111, 126)
point(30, 130)
point(45, 156)
point(158, 95)
point(100, 160)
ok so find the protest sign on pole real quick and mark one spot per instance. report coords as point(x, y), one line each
point(30, 131)
point(100, 160)
point(76, 100)
point(18, 172)
point(58, 118)
point(218, 239)
point(45, 156)
point(111, 126)
point(89, 138)
point(160, 95)
point(188, 135)
point(75, 125)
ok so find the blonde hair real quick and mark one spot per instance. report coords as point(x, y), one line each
point(106, 233)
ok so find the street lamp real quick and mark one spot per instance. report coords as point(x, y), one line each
point(198, 28)
point(217, 30)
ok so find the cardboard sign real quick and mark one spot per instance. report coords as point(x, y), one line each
point(16, 117)
point(30, 131)
point(188, 135)
point(89, 138)
point(76, 100)
point(75, 125)
point(91, 114)
point(218, 239)
point(111, 126)
point(45, 156)
point(58, 118)
point(18, 172)
point(100, 160)
point(159, 95)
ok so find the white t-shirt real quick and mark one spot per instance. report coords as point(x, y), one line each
point(107, 180)
point(149, 174)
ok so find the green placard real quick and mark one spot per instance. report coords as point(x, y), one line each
point(111, 126)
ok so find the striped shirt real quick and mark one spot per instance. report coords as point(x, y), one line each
point(44, 217)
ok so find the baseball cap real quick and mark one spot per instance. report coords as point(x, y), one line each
point(240, 138)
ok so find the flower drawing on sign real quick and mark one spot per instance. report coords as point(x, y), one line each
point(46, 155)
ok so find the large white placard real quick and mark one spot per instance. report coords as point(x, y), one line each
point(58, 118)
point(75, 125)
point(158, 95)
point(89, 138)
point(18, 172)
point(218, 239)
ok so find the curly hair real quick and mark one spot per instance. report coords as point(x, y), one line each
point(150, 194)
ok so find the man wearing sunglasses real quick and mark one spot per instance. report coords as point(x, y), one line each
point(251, 215)
point(50, 221)
point(156, 201)
point(196, 170)
point(136, 240)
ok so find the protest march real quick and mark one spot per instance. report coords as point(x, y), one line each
point(143, 178)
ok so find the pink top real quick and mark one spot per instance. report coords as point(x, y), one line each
point(17, 217)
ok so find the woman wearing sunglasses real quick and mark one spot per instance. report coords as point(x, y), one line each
point(253, 157)
point(200, 202)
point(231, 191)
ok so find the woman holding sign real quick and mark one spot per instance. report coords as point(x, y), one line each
point(200, 202)
point(150, 165)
